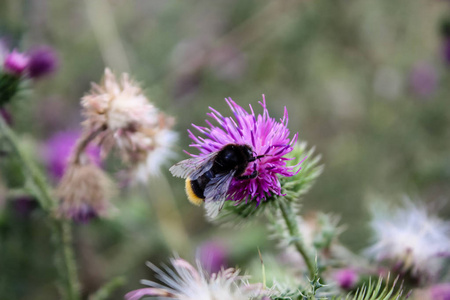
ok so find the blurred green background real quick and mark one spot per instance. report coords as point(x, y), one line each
point(364, 81)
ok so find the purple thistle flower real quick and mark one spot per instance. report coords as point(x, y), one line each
point(58, 149)
point(43, 61)
point(346, 278)
point(266, 137)
point(15, 63)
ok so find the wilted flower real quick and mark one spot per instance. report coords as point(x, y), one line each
point(410, 238)
point(59, 148)
point(16, 63)
point(43, 61)
point(118, 113)
point(268, 139)
point(118, 106)
point(212, 256)
point(188, 283)
point(84, 193)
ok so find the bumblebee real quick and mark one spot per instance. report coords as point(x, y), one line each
point(208, 178)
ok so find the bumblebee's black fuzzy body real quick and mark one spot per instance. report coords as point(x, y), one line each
point(231, 158)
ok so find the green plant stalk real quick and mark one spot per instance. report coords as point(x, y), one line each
point(61, 229)
point(40, 187)
point(292, 226)
point(107, 290)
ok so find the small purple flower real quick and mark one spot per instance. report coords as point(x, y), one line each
point(58, 149)
point(424, 80)
point(16, 63)
point(25, 205)
point(43, 61)
point(346, 278)
point(267, 138)
point(212, 256)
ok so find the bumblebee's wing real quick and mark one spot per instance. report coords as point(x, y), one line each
point(193, 167)
point(216, 193)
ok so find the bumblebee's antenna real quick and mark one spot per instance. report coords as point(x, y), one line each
point(256, 157)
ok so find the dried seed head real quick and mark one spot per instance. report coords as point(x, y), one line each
point(130, 122)
point(84, 193)
point(118, 105)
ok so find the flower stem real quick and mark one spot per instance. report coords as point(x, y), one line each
point(61, 228)
point(292, 226)
point(67, 265)
point(84, 141)
point(40, 186)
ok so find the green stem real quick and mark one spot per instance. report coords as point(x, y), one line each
point(40, 185)
point(108, 289)
point(61, 228)
point(291, 222)
point(66, 261)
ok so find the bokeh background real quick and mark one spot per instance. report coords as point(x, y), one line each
point(364, 81)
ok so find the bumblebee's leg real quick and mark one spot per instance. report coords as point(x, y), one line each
point(251, 176)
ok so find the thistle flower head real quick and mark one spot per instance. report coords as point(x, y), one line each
point(411, 238)
point(124, 118)
point(346, 278)
point(43, 61)
point(16, 63)
point(117, 105)
point(268, 139)
point(189, 283)
point(84, 193)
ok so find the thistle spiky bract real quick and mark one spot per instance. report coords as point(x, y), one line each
point(374, 290)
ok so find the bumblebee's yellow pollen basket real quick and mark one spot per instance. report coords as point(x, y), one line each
point(192, 197)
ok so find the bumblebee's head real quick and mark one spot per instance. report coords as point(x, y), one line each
point(248, 153)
